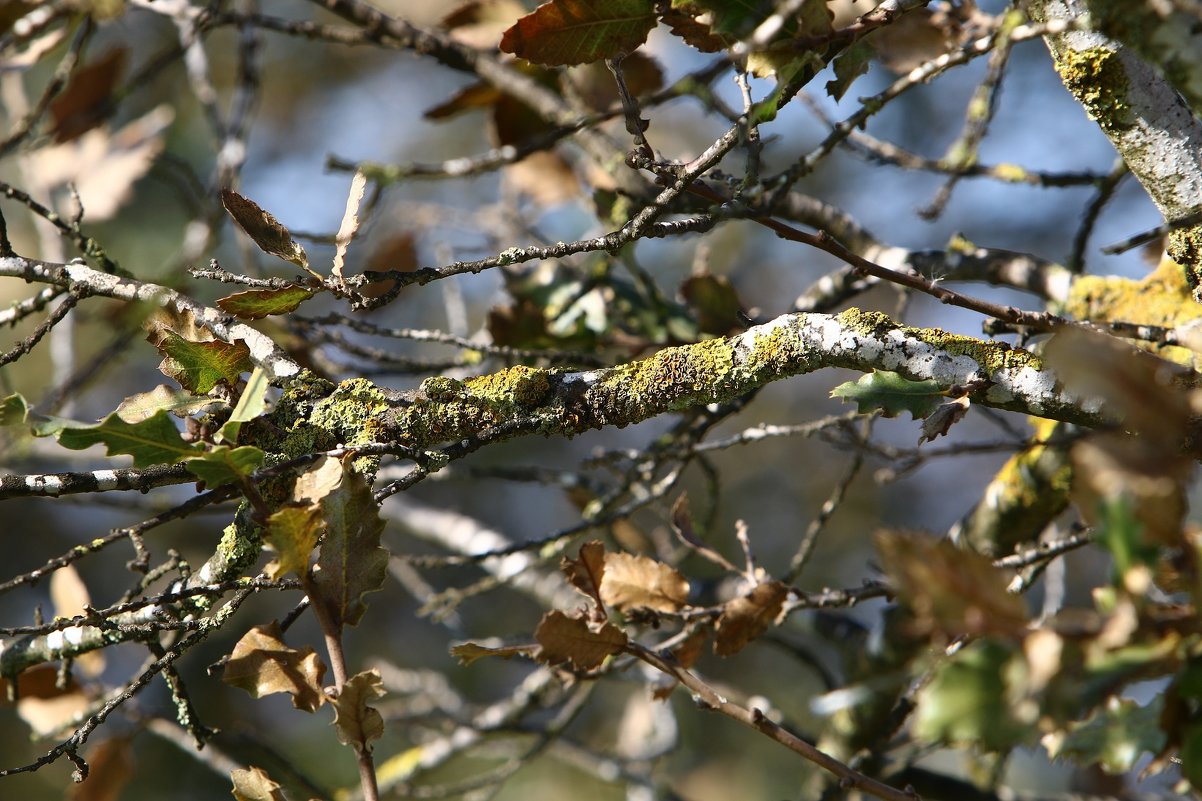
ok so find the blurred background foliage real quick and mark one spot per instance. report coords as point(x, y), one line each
point(318, 103)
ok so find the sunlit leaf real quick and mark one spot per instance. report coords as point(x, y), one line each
point(198, 366)
point(254, 784)
point(251, 403)
point(469, 652)
point(292, 533)
point(13, 410)
point(579, 31)
point(747, 617)
point(632, 581)
point(139, 407)
point(262, 664)
point(71, 598)
point(891, 394)
point(587, 571)
point(571, 639)
point(154, 440)
point(351, 562)
point(254, 304)
point(223, 464)
point(357, 723)
point(266, 231)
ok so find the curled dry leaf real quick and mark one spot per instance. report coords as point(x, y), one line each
point(255, 785)
point(357, 723)
point(632, 581)
point(266, 231)
point(586, 572)
point(745, 618)
point(571, 639)
point(469, 652)
point(262, 664)
point(940, 421)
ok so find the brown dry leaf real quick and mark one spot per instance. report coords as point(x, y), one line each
point(357, 723)
point(565, 639)
point(48, 715)
point(70, 597)
point(940, 421)
point(480, 23)
point(545, 177)
point(469, 652)
point(632, 581)
point(267, 232)
point(262, 664)
point(350, 223)
point(255, 785)
point(950, 591)
point(42, 704)
point(103, 165)
point(87, 99)
point(318, 482)
point(745, 618)
point(111, 766)
point(913, 39)
point(587, 572)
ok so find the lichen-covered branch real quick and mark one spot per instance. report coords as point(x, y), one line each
point(567, 403)
point(263, 351)
point(1150, 125)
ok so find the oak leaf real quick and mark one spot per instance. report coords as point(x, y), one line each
point(262, 664)
point(632, 581)
point(571, 639)
point(356, 723)
point(745, 618)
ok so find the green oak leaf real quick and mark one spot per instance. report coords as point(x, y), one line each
point(892, 394)
point(199, 366)
point(223, 464)
point(152, 441)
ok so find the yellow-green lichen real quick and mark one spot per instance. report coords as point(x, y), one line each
point(520, 386)
point(1096, 77)
point(671, 379)
point(1185, 248)
point(1160, 299)
point(990, 356)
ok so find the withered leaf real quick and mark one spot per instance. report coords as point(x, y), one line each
point(255, 785)
point(940, 421)
point(632, 581)
point(580, 31)
point(469, 652)
point(87, 100)
point(262, 664)
point(42, 704)
point(350, 562)
point(199, 366)
point(571, 639)
point(587, 571)
point(255, 304)
point(266, 231)
point(745, 618)
point(292, 532)
point(950, 591)
point(356, 723)
point(480, 23)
